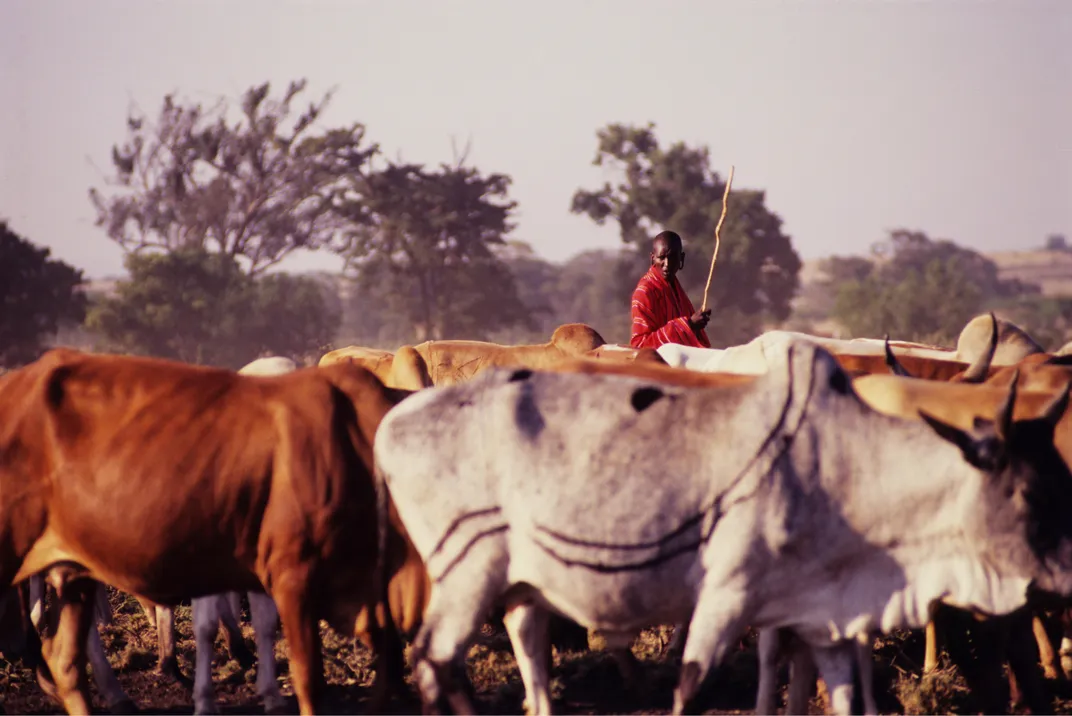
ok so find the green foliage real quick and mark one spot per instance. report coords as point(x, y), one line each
point(200, 307)
point(256, 189)
point(757, 273)
point(38, 295)
point(915, 289)
point(422, 252)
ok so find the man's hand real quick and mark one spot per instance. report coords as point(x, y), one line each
point(698, 321)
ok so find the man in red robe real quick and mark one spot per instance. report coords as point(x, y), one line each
point(662, 312)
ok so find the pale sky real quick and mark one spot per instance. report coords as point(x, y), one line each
point(951, 117)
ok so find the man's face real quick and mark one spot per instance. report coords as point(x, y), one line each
point(668, 258)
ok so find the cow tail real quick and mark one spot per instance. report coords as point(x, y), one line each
point(382, 520)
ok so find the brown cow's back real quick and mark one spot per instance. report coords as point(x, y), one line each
point(919, 367)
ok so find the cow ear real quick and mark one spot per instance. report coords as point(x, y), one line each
point(949, 432)
point(1056, 409)
point(982, 451)
point(892, 363)
point(1003, 418)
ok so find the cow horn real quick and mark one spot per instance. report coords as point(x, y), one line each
point(1003, 419)
point(977, 371)
point(892, 363)
point(1056, 409)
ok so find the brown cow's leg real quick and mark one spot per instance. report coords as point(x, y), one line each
point(162, 619)
point(390, 665)
point(930, 653)
point(1024, 662)
point(167, 662)
point(64, 649)
point(302, 632)
point(1047, 654)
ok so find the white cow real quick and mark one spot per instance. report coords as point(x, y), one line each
point(784, 502)
point(752, 358)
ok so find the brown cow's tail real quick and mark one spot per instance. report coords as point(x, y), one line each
point(383, 519)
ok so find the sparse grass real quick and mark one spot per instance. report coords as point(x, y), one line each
point(940, 692)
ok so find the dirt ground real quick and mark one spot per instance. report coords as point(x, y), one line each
point(585, 682)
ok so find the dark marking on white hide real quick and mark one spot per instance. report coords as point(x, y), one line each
point(526, 414)
point(643, 398)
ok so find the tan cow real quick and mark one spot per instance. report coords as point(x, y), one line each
point(404, 369)
point(224, 482)
point(452, 361)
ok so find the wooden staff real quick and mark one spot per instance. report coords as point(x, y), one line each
point(718, 228)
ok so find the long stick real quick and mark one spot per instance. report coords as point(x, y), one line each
point(718, 227)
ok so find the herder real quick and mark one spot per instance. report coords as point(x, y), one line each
point(661, 310)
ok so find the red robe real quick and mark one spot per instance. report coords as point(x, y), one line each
point(661, 313)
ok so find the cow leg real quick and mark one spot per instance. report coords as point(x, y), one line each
point(717, 621)
point(64, 649)
point(301, 629)
point(37, 597)
point(449, 622)
point(107, 684)
point(230, 607)
point(1023, 656)
point(206, 616)
point(1047, 654)
point(677, 641)
point(930, 652)
point(527, 626)
point(167, 662)
point(389, 663)
point(802, 677)
point(768, 650)
point(983, 671)
point(265, 618)
point(459, 603)
point(865, 667)
point(836, 665)
point(621, 650)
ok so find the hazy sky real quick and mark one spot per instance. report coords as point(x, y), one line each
point(952, 117)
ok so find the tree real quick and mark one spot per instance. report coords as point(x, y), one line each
point(421, 249)
point(200, 307)
point(915, 288)
point(256, 189)
point(1056, 242)
point(38, 296)
point(674, 188)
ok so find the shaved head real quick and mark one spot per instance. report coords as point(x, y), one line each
point(667, 254)
point(667, 239)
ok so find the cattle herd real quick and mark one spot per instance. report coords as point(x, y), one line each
point(823, 492)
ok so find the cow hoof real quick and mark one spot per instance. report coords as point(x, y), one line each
point(279, 707)
point(173, 674)
point(208, 708)
point(126, 706)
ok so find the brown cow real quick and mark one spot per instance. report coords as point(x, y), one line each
point(224, 483)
